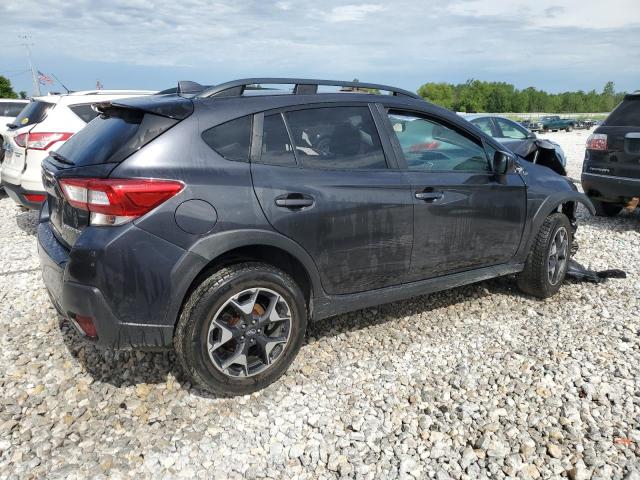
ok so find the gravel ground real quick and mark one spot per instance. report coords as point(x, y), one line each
point(475, 382)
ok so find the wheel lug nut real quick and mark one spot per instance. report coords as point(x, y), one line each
point(242, 337)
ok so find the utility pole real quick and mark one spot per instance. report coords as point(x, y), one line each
point(26, 39)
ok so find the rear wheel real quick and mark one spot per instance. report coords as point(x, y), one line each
point(241, 329)
point(570, 128)
point(606, 209)
point(548, 260)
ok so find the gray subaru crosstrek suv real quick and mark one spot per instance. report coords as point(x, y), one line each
point(218, 221)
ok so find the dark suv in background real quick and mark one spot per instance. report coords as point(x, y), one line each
point(219, 220)
point(611, 169)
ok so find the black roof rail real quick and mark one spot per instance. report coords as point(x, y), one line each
point(303, 86)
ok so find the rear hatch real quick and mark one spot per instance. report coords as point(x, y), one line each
point(620, 156)
point(32, 114)
point(123, 127)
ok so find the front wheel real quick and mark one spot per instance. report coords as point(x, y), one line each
point(241, 328)
point(548, 260)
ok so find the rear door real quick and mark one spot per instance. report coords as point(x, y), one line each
point(326, 179)
point(465, 217)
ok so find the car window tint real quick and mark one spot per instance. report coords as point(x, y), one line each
point(232, 139)
point(84, 111)
point(277, 148)
point(33, 112)
point(627, 114)
point(483, 124)
point(510, 129)
point(428, 145)
point(10, 109)
point(336, 138)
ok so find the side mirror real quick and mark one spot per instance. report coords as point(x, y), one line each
point(502, 163)
point(532, 136)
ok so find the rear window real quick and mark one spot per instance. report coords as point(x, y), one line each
point(11, 109)
point(33, 112)
point(232, 139)
point(627, 114)
point(112, 137)
point(84, 111)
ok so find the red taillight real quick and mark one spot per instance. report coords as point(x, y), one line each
point(597, 141)
point(85, 323)
point(21, 140)
point(42, 141)
point(116, 201)
point(35, 197)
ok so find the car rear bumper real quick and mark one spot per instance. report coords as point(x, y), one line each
point(73, 299)
point(610, 187)
point(20, 195)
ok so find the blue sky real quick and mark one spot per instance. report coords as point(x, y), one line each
point(553, 45)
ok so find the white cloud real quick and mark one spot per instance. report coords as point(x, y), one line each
point(545, 43)
point(352, 13)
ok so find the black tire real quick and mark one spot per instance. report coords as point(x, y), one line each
point(569, 128)
point(191, 340)
point(606, 209)
point(535, 278)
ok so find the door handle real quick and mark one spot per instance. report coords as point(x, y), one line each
point(294, 201)
point(429, 196)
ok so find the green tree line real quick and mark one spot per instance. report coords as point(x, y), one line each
point(6, 90)
point(501, 97)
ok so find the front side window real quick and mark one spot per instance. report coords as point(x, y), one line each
point(276, 144)
point(484, 124)
point(431, 146)
point(232, 139)
point(336, 138)
point(511, 130)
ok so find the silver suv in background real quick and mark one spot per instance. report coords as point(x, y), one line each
point(43, 125)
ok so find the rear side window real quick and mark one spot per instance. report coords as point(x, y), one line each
point(627, 114)
point(113, 136)
point(10, 109)
point(85, 112)
point(276, 144)
point(33, 112)
point(483, 124)
point(336, 138)
point(232, 139)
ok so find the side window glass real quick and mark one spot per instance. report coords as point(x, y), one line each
point(510, 130)
point(276, 144)
point(484, 124)
point(232, 139)
point(336, 138)
point(431, 146)
point(85, 112)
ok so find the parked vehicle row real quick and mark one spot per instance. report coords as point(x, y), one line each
point(44, 125)
point(219, 223)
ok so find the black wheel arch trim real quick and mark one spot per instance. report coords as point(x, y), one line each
point(548, 206)
point(217, 244)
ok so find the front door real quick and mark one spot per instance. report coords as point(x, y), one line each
point(465, 217)
point(323, 179)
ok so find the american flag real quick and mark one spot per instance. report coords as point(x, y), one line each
point(44, 79)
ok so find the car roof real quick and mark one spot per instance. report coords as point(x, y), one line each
point(474, 116)
point(15, 100)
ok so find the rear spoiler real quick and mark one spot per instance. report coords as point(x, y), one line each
point(170, 106)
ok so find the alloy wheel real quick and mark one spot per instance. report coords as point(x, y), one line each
point(249, 332)
point(558, 253)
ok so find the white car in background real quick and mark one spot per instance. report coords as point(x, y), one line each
point(44, 124)
point(9, 109)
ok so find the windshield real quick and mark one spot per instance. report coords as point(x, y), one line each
point(34, 112)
